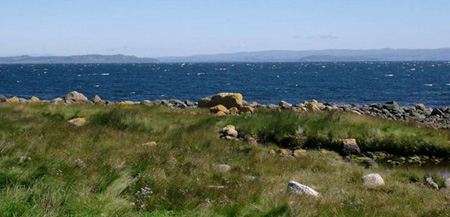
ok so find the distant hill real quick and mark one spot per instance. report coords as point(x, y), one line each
point(442, 54)
point(77, 59)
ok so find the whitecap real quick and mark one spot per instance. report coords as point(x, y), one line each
point(96, 85)
point(201, 73)
point(105, 74)
point(79, 75)
point(448, 84)
point(428, 85)
point(389, 75)
point(133, 92)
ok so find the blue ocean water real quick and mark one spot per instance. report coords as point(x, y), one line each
point(364, 83)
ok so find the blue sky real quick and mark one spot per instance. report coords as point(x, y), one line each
point(155, 28)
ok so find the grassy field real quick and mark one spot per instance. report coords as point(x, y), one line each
point(51, 168)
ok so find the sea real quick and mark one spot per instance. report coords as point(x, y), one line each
point(408, 83)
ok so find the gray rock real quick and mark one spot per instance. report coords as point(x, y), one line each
point(349, 146)
point(3, 98)
point(147, 102)
point(420, 107)
point(75, 97)
point(285, 105)
point(190, 103)
point(272, 106)
point(223, 168)
point(431, 183)
point(96, 99)
point(447, 183)
point(297, 188)
point(373, 180)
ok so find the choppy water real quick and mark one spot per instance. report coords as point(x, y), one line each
point(365, 83)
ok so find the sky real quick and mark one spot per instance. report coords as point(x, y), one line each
point(155, 28)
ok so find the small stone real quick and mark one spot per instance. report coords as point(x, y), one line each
point(447, 183)
point(299, 189)
point(373, 180)
point(150, 144)
point(272, 152)
point(285, 105)
point(223, 168)
point(233, 110)
point(229, 130)
point(323, 151)
point(57, 100)
point(78, 122)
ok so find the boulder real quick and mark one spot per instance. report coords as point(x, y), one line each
point(284, 152)
point(228, 100)
point(218, 108)
point(221, 113)
point(13, 99)
point(247, 109)
point(34, 99)
point(189, 103)
point(223, 168)
point(3, 98)
point(75, 97)
point(78, 122)
point(420, 107)
point(57, 100)
point(447, 183)
point(299, 189)
point(229, 130)
point(437, 111)
point(96, 99)
point(299, 152)
point(284, 105)
point(432, 183)
point(373, 180)
point(349, 146)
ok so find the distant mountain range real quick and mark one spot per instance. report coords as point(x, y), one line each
point(442, 54)
point(77, 59)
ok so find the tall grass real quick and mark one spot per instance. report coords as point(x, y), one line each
point(51, 168)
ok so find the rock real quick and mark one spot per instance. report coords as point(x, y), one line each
point(366, 161)
point(229, 130)
point(284, 152)
point(272, 152)
point(13, 99)
point(96, 99)
point(233, 110)
point(431, 183)
point(34, 99)
point(299, 152)
point(176, 103)
point(247, 109)
point(218, 108)
point(272, 106)
point(284, 105)
point(128, 103)
point(75, 97)
point(221, 113)
point(78, 122)
point(228, 100)
point(437, 111)
point(57, 100)
point(314, 106)
point(3, 98)
point(420, 107)
point(447, 183)
point(373, 180)
point(189, 103)
point(349, 146)
point(223, 168)
point(150, 144)
point(299, 189)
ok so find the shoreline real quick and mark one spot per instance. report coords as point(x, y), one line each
point(435, 118)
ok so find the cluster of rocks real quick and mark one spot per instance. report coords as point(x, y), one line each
point(233, 103)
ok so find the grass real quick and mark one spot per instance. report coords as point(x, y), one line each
point(41, 173)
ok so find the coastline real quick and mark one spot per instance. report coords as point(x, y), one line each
point(435, 118)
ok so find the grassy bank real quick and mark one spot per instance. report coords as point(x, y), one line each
point(51, 168)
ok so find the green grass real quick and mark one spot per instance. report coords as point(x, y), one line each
point(49, 182)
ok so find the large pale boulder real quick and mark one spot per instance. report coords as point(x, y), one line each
point(373, 180)
point(228, 100)
point(96, 99)
point(229, 130)
point(297, 188)
point(75, 97)
point(34, 99)
point(218, 108)
point(14, 99)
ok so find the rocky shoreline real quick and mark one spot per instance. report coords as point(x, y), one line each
point(233, 103)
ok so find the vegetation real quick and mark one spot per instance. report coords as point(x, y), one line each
point(51, 168)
